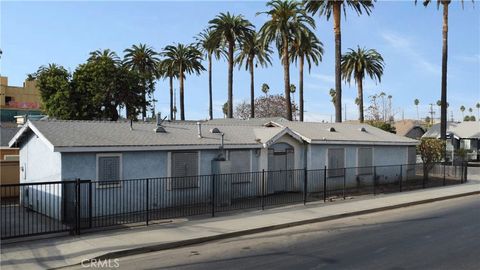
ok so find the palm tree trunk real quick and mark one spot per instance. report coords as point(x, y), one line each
point(443, 110)
point(338, 59)
point(210, 92)
point(286, 78)
point(182, 104)
point(418, 115)
point(230, 79)
point(171, 97)
point(252, 88)
point(300, 86)
point(360, 100)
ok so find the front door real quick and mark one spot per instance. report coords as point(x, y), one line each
point(281, 164)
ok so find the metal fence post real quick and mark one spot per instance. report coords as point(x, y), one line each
point(77, 206)
point(263, 189)
point(90, 204)
point(305, 185)
point(325, 184)
point(374, 180)
point(444, 173)
point(401, 177)
point(213, 195)
point(344, 181)
point(146, 202)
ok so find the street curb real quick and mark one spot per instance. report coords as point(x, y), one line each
point(164, 246)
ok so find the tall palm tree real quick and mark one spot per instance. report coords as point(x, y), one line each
point(462, 109)
point(210, 48)
point(443, 110)
point(358, 63)
point(306, 46)
point(478, 110)
point(185, 59)
point(253, 53)
point(287, 19)
point(144, 60)
point(326, 8)
point(166, 69)
point(230, 30)
point(417, 102)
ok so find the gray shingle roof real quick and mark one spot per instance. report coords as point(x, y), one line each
point(6, 134)
point(252, 133)
point(463, 130)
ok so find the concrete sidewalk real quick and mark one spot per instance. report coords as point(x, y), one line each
point(68, 250)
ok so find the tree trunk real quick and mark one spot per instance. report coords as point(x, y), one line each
point(338, 58)
point(230, 78)
point(443, 110)
point(144, 94)
point(182, 104)
point(286, 78)
point(171, 97)
point(252, 88)
point(360, 100)
point(300, 87)
point(210, 92)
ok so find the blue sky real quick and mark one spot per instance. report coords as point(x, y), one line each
point(409, 37)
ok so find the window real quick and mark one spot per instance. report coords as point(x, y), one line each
point(240, 160)
point(109, 169)
point(184, 170)
point(336, 162)
point(365, 161)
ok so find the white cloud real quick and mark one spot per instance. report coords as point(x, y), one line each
point(324, 78)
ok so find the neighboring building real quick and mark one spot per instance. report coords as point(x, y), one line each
point(9, 168)
point(464, 135)
point(53, 150)
point(409, 128)
point(15, 100)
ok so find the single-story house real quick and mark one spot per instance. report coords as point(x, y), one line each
point(464, 135)
point(113, 152)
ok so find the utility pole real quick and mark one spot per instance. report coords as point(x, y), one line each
point(451, 116)
point(432, 113)
point(345, 105)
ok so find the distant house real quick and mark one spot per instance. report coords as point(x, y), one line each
point(111, 152)
point(409, 128)
point(464, 135)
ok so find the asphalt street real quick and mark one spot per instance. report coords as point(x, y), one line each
point(440, 235)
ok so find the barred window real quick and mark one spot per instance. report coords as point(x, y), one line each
point(336, 162)
point(184, 170)
point(109, 169)
point(365, 161)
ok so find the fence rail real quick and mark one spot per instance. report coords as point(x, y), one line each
point(74, 206)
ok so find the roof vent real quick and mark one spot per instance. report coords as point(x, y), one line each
point(215, 131)
point(331, 129)
point(160, 128)
point(362, 129)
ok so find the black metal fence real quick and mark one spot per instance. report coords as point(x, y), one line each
point(72, 206)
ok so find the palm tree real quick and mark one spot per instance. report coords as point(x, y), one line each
point(144, 60)
point(478, 110)
point(106, 53)
point(253, 51)
point(230, 30)
point(287, 20)
point(326, 8)
point(166, 69)
point(210, 48)
point(306, 46)
point(443, 111)
point(462, 109)
point(186, 59)
point(358, 63)
point(417, 102)
point(265, 89)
